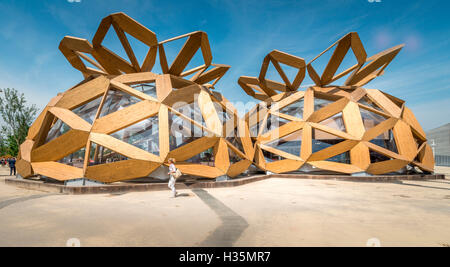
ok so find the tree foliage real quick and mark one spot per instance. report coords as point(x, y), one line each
point(17, 118)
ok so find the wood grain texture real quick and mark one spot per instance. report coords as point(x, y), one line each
point(222, 158)
point(136, 78)
point(360, 156)
point(200, 170)
point(284, 166)
point(25, 150)
point(385, 167)
point(71, 119)
point(238, 168)
point(24, 168)
point(121, 171)
point(57, 171)
point(405, 140)
point(336, 167)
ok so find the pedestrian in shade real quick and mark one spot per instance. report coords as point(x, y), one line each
point(12, 166)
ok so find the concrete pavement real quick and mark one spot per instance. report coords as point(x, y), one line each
point(275, 212)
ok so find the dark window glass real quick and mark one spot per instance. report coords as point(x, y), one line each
point(341, 158)
point(377, 157)
point(234, 158)
point(205, 158)
point(387, 141)
point(322, 140)
point(102, 155)
point(291, 143)
point(76, 159)
point(235, 140)
point(274, 122)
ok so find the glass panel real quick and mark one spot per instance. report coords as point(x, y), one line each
point(254, 121)
point(117, 100)
point(146, 88)
point(377, 157)
point(205, 158)
point(143, 135)
point(274, 122)
point(418, 140)
point(368, 102)
point(76, 159)
point(255, 129)
point(88, 111)
point(294, 109)
point(59, 128)
point(234, 158)
point(193, 112)
point(335, 122)
point(182, 131)
point(222, 113)
point(371, 119)
point(386, 140)
point(322, 140)
point(235, 140)
point(290, 144)
point(270, 157)
point(341, 158)
point(102, 155)
point(320, 103)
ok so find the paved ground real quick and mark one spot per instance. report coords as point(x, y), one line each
point(275, 212)
point(443, 170)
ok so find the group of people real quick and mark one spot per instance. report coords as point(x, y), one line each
point(11, 163)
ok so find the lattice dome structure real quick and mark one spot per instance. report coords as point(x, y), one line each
point(124, 122)
point(333, 128)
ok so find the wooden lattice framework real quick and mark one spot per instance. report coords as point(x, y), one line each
point(124, 122)
point(103, 121)
point(344, 129)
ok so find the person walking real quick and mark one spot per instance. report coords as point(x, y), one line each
point(172, 180)
point(12, 166)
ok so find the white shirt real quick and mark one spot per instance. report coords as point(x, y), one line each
point(172, 168)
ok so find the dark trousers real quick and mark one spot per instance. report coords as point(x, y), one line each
point(11, 170)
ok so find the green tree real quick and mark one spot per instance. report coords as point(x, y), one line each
point(3, 147)
point(17, 117)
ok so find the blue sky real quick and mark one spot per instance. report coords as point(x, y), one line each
point(241, 33)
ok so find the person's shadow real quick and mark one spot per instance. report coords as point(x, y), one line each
point(183, 195)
